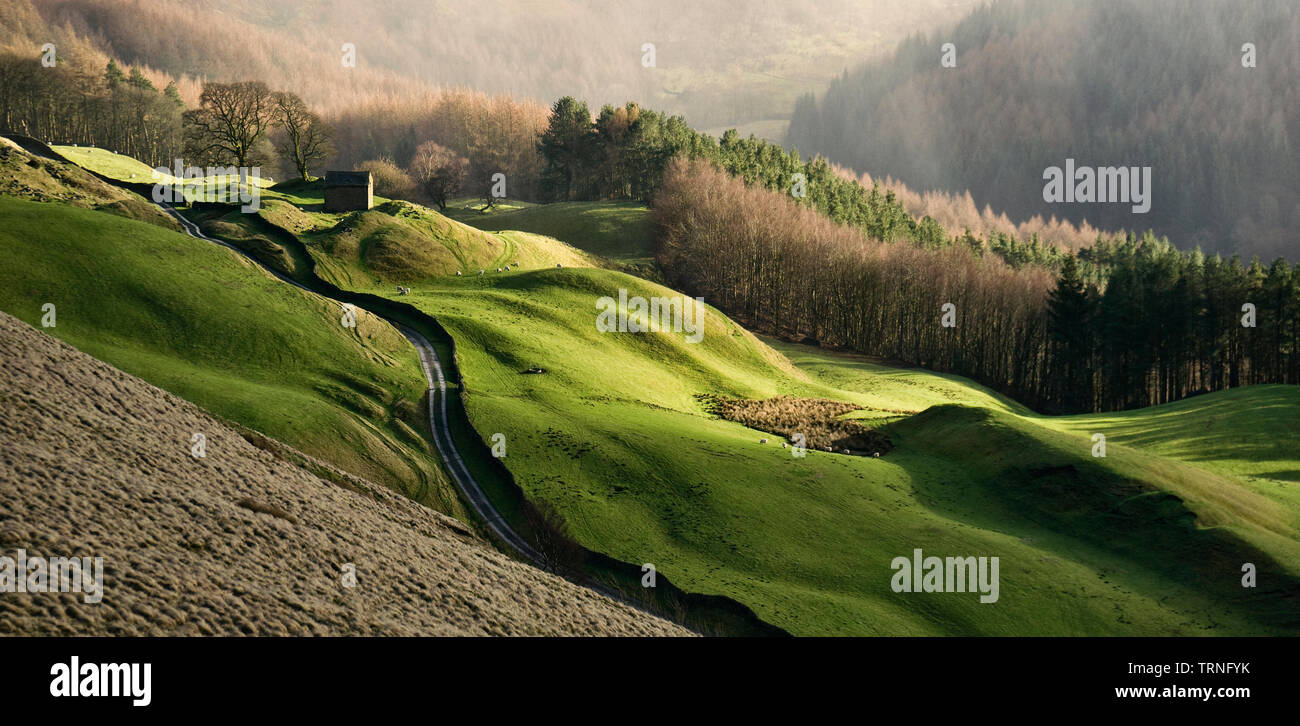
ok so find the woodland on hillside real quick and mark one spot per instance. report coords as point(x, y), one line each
point(623, 153)
point(745, 61)
point(1128, 322)
point(76, 102)
point(1156, 83)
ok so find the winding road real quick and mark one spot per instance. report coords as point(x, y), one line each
point(470, 489)
point(464, 480)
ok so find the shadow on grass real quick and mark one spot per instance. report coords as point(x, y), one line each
point(1021, 476)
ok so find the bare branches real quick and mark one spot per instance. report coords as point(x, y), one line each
point(439, 172)
point(230, 121)
point(306, 139)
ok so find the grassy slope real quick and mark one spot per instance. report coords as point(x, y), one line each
point(613, 436)
point(401, 243)
point(126, 168)
point(207, 325)
point(619, 231)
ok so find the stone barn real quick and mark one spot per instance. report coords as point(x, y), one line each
point(349, 191)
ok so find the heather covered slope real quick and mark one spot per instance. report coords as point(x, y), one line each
point(94, 462)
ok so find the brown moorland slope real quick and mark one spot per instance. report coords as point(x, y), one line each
point(245, 540)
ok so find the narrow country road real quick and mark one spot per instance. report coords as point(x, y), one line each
point(465, 482)
point(471, 491)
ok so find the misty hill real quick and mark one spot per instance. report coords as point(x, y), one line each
point(1156, 83)
point(718, 64)
point(243, 541)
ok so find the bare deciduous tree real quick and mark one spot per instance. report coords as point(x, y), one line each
point(439, 172)
point(306, 138)
point(230, 121)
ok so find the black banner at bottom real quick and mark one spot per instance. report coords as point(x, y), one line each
point(439, 677)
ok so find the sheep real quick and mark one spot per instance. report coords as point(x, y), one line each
point(457, 273)
point(783, 444)
point(480, 272)
point(762, 441)
point(846, 451)
point(498, 269)
point(558, 265)
point(877, 454)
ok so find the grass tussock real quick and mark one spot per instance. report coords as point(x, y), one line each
point(264, 508)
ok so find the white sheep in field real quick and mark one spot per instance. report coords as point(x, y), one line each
point(498, 269)
point(762, 441)
point(877, 454)
point(783, 444)
point(846, 451)
point(457, 273)
point(480, 272)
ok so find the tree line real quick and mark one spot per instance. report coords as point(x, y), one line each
point(246, 124)
point(1128, 322)
point(624, 153)
point(75, 102)
point(1135, 322)
point(243, 123)
point(479, 135)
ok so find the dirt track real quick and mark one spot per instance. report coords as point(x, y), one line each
point(94, 462)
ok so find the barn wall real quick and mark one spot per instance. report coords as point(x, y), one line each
point(348, 199)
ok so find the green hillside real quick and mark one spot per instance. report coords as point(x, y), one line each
point(125, 168)
point(612, 431)
point(401, 243)
point(207, 325)
point(613, 435)
point(618, 231)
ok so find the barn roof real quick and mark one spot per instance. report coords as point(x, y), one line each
point(347, 178)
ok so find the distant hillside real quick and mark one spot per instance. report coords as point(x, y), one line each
point(719, 64)
point(1156, 83)
point(243, 541)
